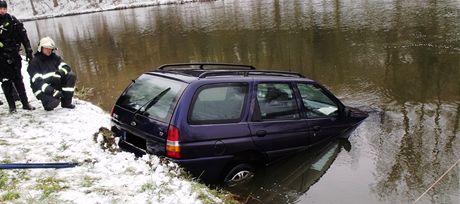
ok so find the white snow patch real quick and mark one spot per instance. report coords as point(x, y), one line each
point(65, 135)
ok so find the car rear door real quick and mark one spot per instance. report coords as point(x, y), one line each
point(215, 121)
point(276, 126)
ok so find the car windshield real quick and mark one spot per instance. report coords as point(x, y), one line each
point(152, 96)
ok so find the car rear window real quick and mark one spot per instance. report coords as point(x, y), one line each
point(219, 103)
point(152, 96)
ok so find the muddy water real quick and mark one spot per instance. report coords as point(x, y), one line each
point(398, 60)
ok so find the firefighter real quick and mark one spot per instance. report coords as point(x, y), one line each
point(12, 35)
point(51, 79)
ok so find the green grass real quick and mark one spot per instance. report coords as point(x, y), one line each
point(10, 196)
point(3, 180)
point(3, 142)
point(147, 187)
point(49, 185)
point(64, 146)
point(9, 184)
point(58, 158)
point(5, 161)
point(206, 195)
point(88, 181)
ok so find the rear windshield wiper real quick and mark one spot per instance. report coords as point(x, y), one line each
point(152, 101)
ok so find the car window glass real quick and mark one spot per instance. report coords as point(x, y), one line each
point(219, 104)
point(316, 102)
point(276, 101)
point(152, 96)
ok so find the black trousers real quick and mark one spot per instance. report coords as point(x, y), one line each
point(63, 85)
point(11, 78)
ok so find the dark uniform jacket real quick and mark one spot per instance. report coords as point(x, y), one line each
point(12, 34)
point(45, 73)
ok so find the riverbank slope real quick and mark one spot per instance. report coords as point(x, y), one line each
point(103, 174)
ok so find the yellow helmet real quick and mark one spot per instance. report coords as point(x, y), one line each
point(46, 42)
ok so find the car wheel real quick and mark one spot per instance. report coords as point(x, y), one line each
point(239, 174)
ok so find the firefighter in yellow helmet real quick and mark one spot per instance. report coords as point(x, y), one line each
point(51, 79)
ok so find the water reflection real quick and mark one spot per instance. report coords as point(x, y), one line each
point(426, 146)
point(286, 181)
point(320, 39)
point(397, 59)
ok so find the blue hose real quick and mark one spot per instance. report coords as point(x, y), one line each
point(38, 165)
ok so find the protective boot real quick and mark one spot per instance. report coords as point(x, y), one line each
point(68, 105)
point(68, 84)
point(21, 91)
point(26, 106)
point(66, 101)
point(7, 87)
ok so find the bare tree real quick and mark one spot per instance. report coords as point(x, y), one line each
point(33, 8)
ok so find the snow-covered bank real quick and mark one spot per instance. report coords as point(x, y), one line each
point(33, 10)
point(65, 135)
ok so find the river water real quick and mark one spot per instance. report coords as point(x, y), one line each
point(399, 60)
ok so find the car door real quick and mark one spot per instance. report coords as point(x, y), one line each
point(322, 112)
point(276, 126)
point(215, 121)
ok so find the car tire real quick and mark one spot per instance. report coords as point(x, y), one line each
point(239, 174)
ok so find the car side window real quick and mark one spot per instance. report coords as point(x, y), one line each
point(218, 103)
point(316, 103)
point(276, 101)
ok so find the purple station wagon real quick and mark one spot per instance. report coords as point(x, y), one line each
point(221, 121)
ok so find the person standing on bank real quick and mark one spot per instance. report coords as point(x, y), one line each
point(12, 35)
point(51, 79)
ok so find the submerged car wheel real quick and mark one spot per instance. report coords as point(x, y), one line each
point(239, 174)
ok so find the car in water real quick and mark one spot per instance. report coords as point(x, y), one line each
point(221, 121)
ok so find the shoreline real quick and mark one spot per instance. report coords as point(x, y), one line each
point(113, 8)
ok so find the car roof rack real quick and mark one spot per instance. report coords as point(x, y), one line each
point(205, 66)
point(250, 72)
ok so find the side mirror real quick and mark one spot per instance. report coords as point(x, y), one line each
point(346, 113)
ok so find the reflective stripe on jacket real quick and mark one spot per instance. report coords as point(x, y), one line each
point(43, 70)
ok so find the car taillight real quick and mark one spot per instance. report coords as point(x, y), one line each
point(172, 143)
point(113, 114)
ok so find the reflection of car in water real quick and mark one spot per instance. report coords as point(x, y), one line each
point(287, 180)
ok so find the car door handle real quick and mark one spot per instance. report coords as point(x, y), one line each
point(261, 133)
point(316, 128)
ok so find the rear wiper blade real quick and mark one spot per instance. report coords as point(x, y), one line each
point(152, 101)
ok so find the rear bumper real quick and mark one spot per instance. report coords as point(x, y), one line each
point(207, 169)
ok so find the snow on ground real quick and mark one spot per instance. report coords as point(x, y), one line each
point(65, 135)
point(23, 9)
